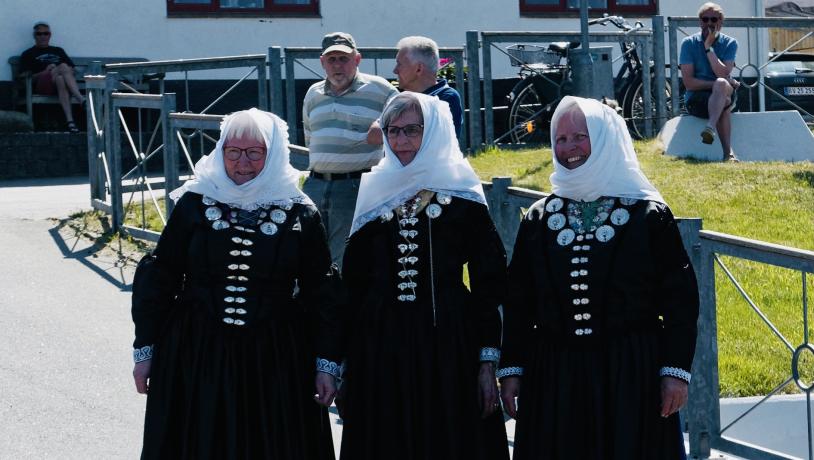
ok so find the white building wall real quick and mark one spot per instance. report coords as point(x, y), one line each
point(141, 28)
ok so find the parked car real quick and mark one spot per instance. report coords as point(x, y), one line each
point(792, 75)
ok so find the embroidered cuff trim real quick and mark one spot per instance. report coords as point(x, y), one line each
point(676, 372)
point(509, 372)
point(143, 354)
point(329, 367)
point(489, 354)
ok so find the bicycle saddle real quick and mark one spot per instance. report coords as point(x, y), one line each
point(562, 47)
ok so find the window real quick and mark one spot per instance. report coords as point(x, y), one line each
point(242, 7)
point(596, 7)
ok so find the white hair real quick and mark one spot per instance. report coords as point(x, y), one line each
point(399, 105)
point(240, 125)
point(421, 49)
point(711, 6)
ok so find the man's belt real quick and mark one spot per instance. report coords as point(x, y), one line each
point(338, 176)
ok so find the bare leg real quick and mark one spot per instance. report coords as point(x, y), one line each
point(64, 97)
point(70, 81)
point(718, 100)
point(725, 131)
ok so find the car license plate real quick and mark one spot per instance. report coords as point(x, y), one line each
point(799, 90)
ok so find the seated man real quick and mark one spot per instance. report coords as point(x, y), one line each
point(52, 70)
point(706, 61)
point(417, 69)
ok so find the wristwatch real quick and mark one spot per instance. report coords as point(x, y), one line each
point(708, 49)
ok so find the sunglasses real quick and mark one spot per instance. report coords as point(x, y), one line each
point(253, 153)
point(42, 34)
point(712, 19)
point(408, 130)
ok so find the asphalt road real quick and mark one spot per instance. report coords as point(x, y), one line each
point(66, 389)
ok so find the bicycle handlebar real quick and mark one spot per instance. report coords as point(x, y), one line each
point(617, 21)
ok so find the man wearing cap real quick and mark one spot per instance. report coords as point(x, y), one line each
point(52, 71)
point(417, 69)
point(338, 120)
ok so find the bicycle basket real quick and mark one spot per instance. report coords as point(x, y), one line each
point(532, 54)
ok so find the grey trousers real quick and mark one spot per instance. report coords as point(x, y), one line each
point(336, 201)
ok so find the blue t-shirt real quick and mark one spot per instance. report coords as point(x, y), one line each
point(693, 52)
point(451, 97)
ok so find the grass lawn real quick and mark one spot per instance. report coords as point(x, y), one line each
point(772, 202)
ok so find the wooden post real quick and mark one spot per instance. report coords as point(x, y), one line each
point(170, 150)
point(276, 80)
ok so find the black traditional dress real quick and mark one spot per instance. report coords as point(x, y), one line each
point(603, 300)
point(238, 305)
point(418, 334)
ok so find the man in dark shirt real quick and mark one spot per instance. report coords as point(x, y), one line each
point(417, 69)
point(52, 71)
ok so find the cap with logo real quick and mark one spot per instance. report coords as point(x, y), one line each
point(338, 41)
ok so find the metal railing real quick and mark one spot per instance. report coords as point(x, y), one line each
point(296, 55)
point(753, 26)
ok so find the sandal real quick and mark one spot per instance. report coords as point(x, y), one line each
point(708, 135)
point(72, 127)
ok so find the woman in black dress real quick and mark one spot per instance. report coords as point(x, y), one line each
point(419, 381)
point(234, 308)
point(600, 323)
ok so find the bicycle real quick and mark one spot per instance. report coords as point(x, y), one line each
point(545, 78)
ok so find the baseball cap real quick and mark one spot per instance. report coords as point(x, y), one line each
point(338, 41)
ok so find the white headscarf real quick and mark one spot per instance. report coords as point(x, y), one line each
point(438, 165)
point(277, 182)
point(612, 169)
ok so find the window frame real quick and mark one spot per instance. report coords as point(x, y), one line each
point(562, 9)
point(213, 9)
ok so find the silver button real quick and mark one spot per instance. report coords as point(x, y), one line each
point(228, 320)
point(245, 253)
point(237, 239)
point(234, 252)
point(584, 247)
point(589, 236)
point(579, 332)
point(229, 299)
point(589, 331)
point(583, 287)
point(229, 310)
point(239, 322)
point(575, 287)
point(575, 260)
point(574, 273)
point(578, 317)
point(231, 288)
point(240, 289)
point(583, 260)
point(587, 316)
point(580, 237)
point(577, 248)
point(231, 277)
point(243, 267)
point(248, 230)
point(242, 278)
point(576, 301)
point(240, 311)
point(247, 242)
point(232, 266)
point(584, 301)
point(240, 300)
point(583, 272)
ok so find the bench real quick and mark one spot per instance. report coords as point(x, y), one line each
point(22, 88)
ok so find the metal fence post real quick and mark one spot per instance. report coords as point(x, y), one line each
point(658, 71)
point(703, 409)
point(170, 151)
point(460, 85)
point(290, 99)
point(114, 152)
point(473, 61)
point(262, 87)
point(674, 70)
point(488, 114)
point(505, 217)
point(93, 146)
point(647, 86)
point(276, 80)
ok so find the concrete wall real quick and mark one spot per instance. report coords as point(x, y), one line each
point(142, 28)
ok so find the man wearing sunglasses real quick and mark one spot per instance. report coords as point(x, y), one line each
point(52, 71)
point(707, 59)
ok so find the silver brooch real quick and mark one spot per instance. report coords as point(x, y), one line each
point(554, 205)
point(208, 201)
point(628, 201)
point(408, 260)
point(407, 247)
point(443, 198)
point(408, 221)
point(213, 213)
point(408, 233)
point(605, 233)
point(406, 297)
point(406, 273)
point(407, 285)
point(556, 221)
point(268, 228)
point(620, 216)
point(386, 216)
point(220, 224)
point(278, 216)
point(287, 205)
point(565, 237)
point(433, 211)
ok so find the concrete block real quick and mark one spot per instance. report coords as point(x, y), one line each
point(756, 136)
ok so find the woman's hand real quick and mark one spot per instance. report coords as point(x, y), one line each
point(489, 401)
point(141, 375)
point(673, 395)
point(326, 389)
point(509, 391)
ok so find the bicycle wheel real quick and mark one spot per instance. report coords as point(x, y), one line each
point(529, 118)
point(633, 106)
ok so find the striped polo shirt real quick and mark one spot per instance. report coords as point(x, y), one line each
point(336, 126)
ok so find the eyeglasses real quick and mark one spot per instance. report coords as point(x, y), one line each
point(41, 34)
point(409, 130)
point(252, 153)
point(712, 19)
